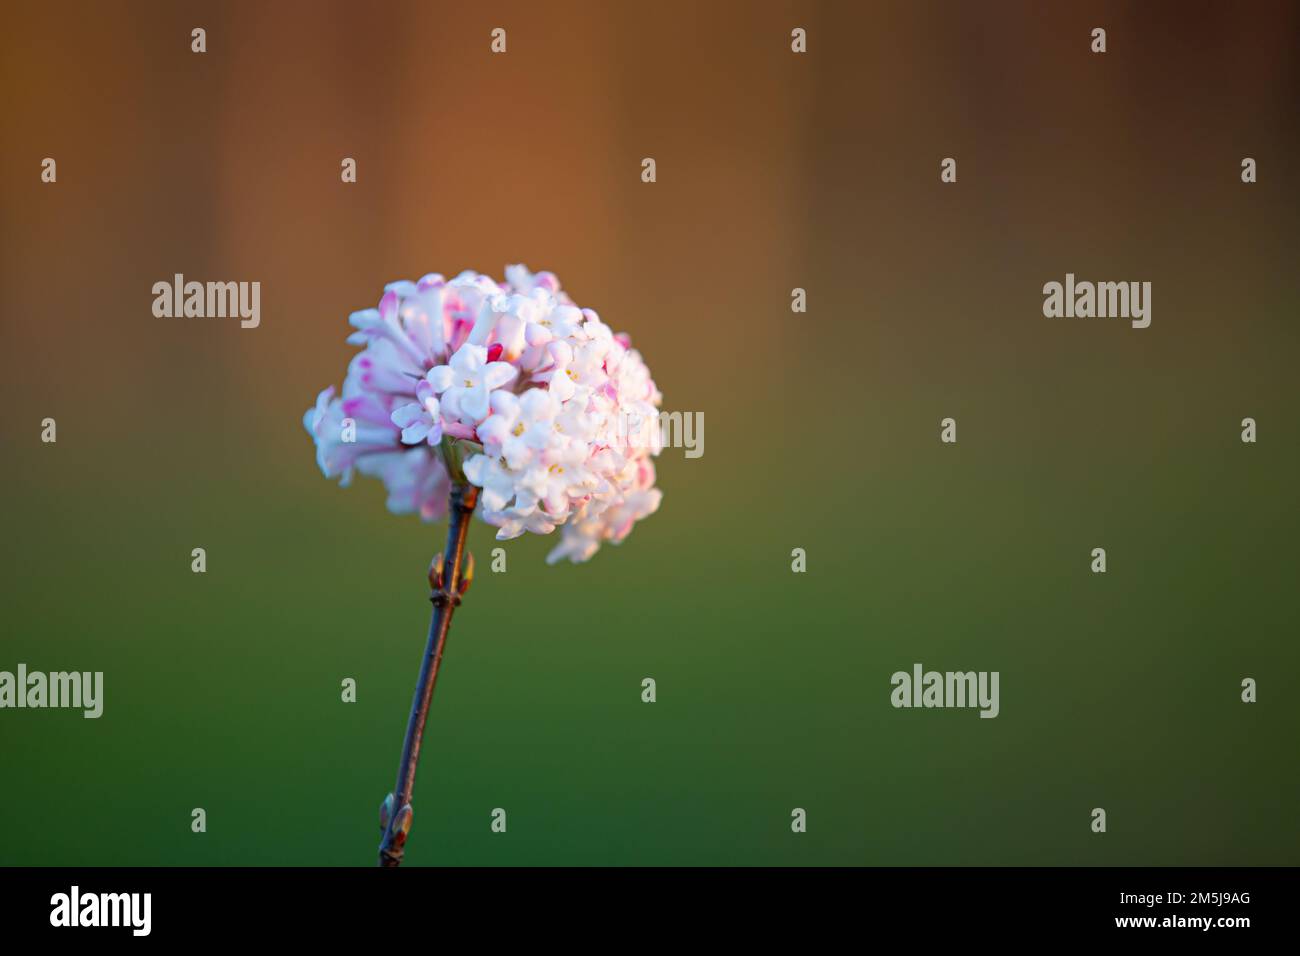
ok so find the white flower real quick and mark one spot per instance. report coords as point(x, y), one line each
point(500, 485)
point(467, 382)
point(560, 380)
point(421, 420)
point(519, 428)
point(583, 535)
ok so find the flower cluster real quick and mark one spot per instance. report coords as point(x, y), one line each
point(510, 385)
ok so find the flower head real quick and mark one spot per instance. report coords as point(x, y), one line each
point(540, 392)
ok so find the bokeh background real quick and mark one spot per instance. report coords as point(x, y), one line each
point(822, 431)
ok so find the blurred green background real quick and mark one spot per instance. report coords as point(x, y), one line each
point(774, 171)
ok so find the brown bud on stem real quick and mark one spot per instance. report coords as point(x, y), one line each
point(402, 826)
point(467, 574)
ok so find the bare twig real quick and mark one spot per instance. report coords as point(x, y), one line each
point(448, 584)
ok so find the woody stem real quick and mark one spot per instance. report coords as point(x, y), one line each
point(445, 597)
